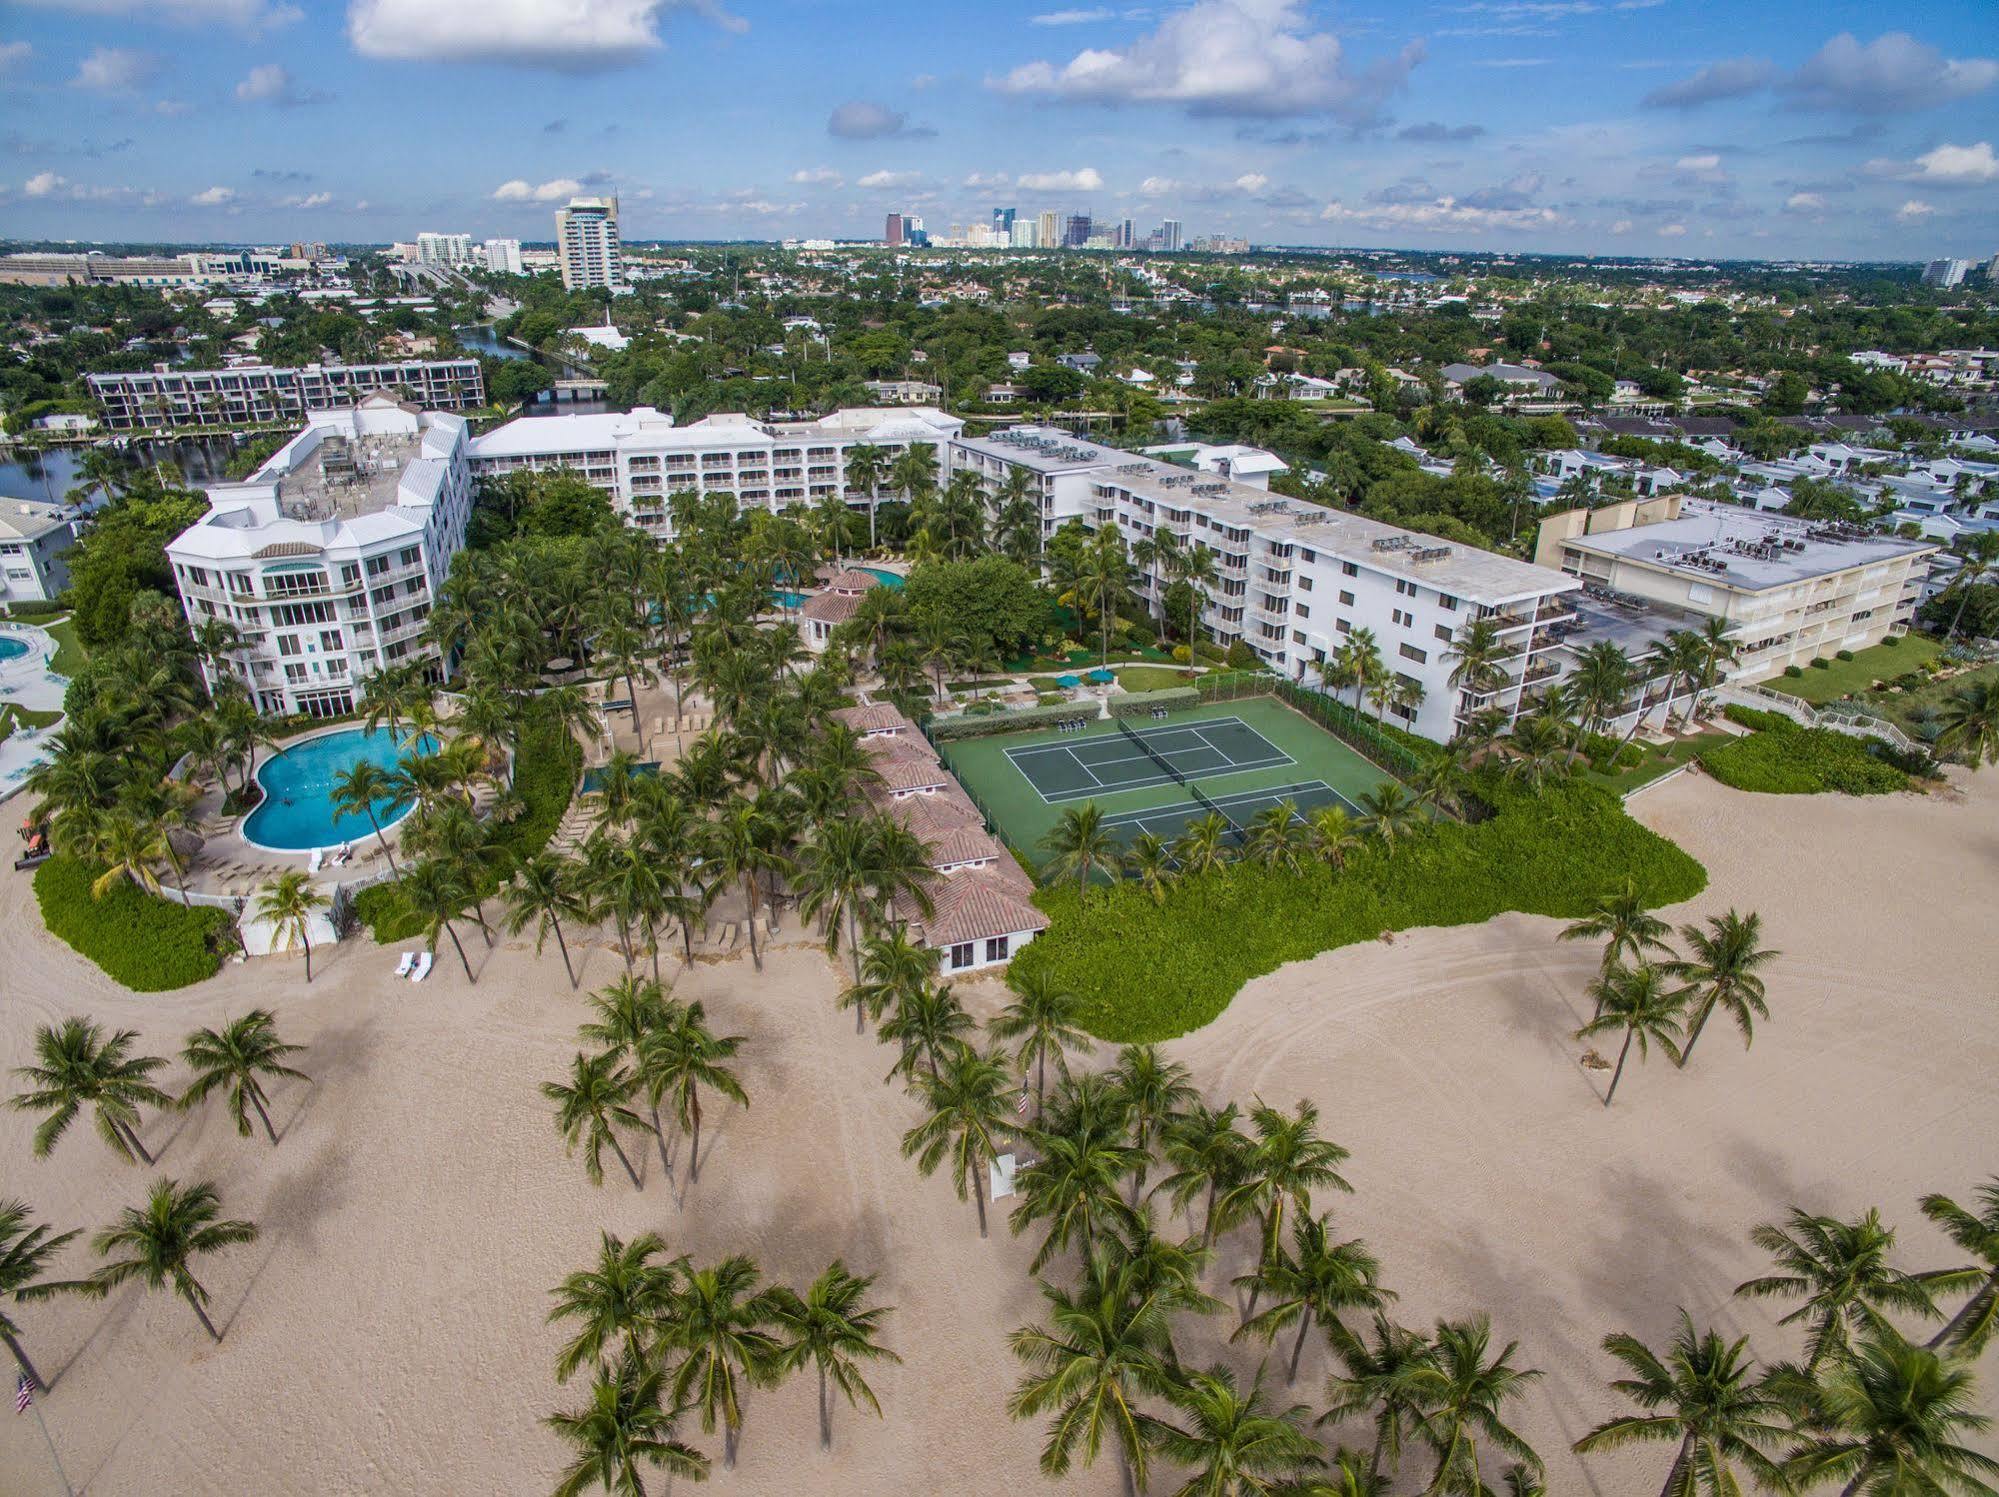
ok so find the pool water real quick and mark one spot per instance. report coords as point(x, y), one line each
point(296, 814)
point(593, 779)
point(888, 579)
point(787, 599)
point(12, 648)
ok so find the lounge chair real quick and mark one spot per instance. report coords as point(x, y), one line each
point(312, 863)
point(422, 969)
point(403, 966)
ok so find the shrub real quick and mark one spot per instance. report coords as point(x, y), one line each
point(1844, 655)
point(1793, 672)
point(1182, 654)
point(1781, 758)
point(1552, 854)
point(1892, 641)
point(147, 943)
point(1007, 722)
point(1820, 663)
point(36, 608)
point(1141, 703)
point(1241, 657)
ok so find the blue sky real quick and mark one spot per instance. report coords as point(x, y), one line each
point(1773, 128)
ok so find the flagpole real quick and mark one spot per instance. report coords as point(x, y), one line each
point(54, 1459)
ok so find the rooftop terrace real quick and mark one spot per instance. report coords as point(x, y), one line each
point(343, 478)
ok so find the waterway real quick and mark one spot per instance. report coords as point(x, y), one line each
point(485, 339)
point(48, 476)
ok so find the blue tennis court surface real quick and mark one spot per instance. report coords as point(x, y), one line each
point(1107, 763)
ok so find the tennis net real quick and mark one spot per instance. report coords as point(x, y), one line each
point(1235, 827)
point(1153, 754)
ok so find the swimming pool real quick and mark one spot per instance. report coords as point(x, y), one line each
point(888, 578)
point(12, 648)
point(296, 814)
point(788, 599)
point(593, 779)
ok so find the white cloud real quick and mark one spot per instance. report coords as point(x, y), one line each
point(1070, 17)
point(172, 108)
point(1705, 163)
point(271, 83)
point(13, 54)
point(520, 190)
point(1158, 187)
point(1672, 231)
point(988, 180)
point(1804, 202)
point(818, 176)
point(310, 200)
point(214, 197)
point(44, 184)
point(247, 15)
point(114, 69)
point(1914, 210)
point(1622, 227)
point(1226, 57)
point(570, 36)
point(1440, 213)
point(1891, 73)
point(1730, 78)
point(1958, 166)
point(878, 181)
point(863, 119)
point(1251, 182)
point(1085, 179)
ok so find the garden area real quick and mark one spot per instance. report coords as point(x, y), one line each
point(1778, 757)
point(147, 942)
point(1829, 680)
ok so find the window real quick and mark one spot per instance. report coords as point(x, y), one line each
point(1410, 652)
point(1297, 636)
point(1305, 583)
point(329, 639)
point(1446, 602)
point(1305, 553)
point(1346, 597)
point(1303, 611)
point(1443, 633)
point(961, 956)
point(996, 949)
point(1403, 618)
point(1343, 626)
point(1405, 589)
point(1348, 569)
point(288, 644)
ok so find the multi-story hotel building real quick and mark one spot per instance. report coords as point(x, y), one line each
point(34, 539)
point(1295, 580)
point(586, 237)
point(261, 392)
point(326, 559)
point(641, 457)
point(1791, 590)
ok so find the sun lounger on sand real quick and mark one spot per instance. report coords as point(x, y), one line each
point(403, 966)
point(422, 969)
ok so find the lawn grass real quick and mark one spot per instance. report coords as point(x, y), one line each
point(70, 653)
point(1658, 761)
point(1843, 678)
point(1151, 677)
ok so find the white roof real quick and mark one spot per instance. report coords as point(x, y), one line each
point(23, 519)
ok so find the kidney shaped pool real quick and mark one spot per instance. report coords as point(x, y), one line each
point(296, 813)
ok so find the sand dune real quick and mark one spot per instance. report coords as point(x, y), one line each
point(387, 1333)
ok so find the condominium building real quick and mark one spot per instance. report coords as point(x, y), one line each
point(1295, 581)
point(641, 457)
point(1791, 590)
point(503, 257)
point(445, 249)
point(586, 236)
point(31, 269)
point(33, 540)
point(327, 558)
point(1944, 274)
point(260, 392)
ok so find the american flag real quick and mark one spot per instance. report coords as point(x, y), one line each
point(24, 1393)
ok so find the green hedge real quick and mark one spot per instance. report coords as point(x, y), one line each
point(945, 728)
point(149, 944)
point(1141, 703)
point(1779, 757)
point(1149, 972)
point(546, 769)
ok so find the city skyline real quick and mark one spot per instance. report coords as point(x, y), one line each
point(1623, 127)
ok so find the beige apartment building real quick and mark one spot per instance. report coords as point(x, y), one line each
point(1791, 589)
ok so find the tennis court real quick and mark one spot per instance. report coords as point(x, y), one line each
point(1090, 768)
point(1168, 822)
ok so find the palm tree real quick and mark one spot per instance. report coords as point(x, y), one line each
point(287, 904)
point(867, 466)
point(1312, 1284)
point(629, 1013)
point(24, 1255)
point(833, 1328)
point(1203, 845)
point(1238, 1445)
point(718, 1328)
point(1149, 861)
point(621, 1429)
point(967, 1110)
point(1047, 1019)
point(1478, 657)
point(1842, 1273)
point(1287, 1163)
point(1463, 1392)
point(1970, 721)
point(926, 1027)
point(1601, 681)
point(541, 892)
point(1720, 972)
point(892, 970)
point(1208, 1154)
point(436, 894)
point(237, 1059)
point(362, 788)
point(161, 1239)
point(1073, 1187)
point(1970, 1328)
point(741, 849)
point(1391, 813)
point(590, 1106)
point(1274, 838)
point(855, 868)
point(621, 1299)
point(1700, 1394)
point(688, 1056)
point(1380, 1376)
point(1357, 663)
point(1106, 1345)
point(1081, 845)
point(1153, 1092)
point(1638, 1001)
point(1627, 929)
point(77, 1067)
point(1894, 1416)
point(129, 845)
point(1332, 834)
point(1979, 557)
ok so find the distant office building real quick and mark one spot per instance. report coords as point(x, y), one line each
point(314, 249)
point(1992, 268)
point(1944, 274)
point(913, 231)
point(892, 231)
point(260, 392)
point(450, 250)
point(1076, 231)
point(1126, 234)
point(1170, 233)
point(1003, 219)
point(96, 269)
point(503, 257)
point(1026, 234)
point(586, 235)
point(1048, 230)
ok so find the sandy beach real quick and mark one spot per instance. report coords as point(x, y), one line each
point(387, 1333)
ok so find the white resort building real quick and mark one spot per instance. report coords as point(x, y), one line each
point(33, 540)
point(326, 559)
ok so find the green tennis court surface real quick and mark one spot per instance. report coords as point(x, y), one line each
point(1088, 768)
point(1244, 755)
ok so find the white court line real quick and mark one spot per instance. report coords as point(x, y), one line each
point(1082, 766)
point(1017, 754)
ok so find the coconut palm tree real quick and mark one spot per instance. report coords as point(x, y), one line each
point(1463, 1391)
point(436, 894)
point(622, 1429)
point(160, 1241)
point(1288, 1161)
point(629, 1013)
point(620, 1300)
point(1840, 1270)
point(130, 846)
point(1702, 1395)
point(237, 1059)
point(1357, 663)
point(1149, 863)
point(1237, 1443)
point(1642, 1002)
point(1600, 683)
point(1276, 837)
point(832, 1327)
point(77, 1067)
point(966, 1112)
point(927, 1027)
point(854, 870)
point(542, 892)
point(1979, 557)
point(1978, 1234)
point(1073, 1187)
point(1380, 1376)
point(893, 970)
point(1627, 929)
point(589, 1108)
point(718, 1328)
point(1970, 723)
point(688, 1057)
point(1107, 1344)
point(1720, 971)
point(1153, 1091)
point(1313, 1283)
point(287, 904)
point(25, 1252)
point(1478, 658)
point(1894, 1418)
point(1208, 1155)
point(1333, 835)
point(1203, 845)
point(1081, 845)
point(362, 788)
point(741, 849)
point(1390, 813)
point(1046, 1018)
